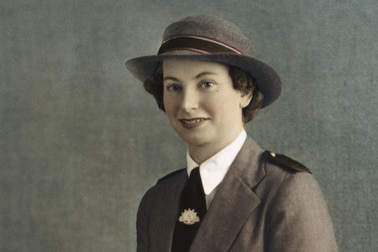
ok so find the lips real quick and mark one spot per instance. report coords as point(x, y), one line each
point(192, 122)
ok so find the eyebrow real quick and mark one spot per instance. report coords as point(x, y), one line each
point(203, 74)
point(170, 78)
point(195, 77)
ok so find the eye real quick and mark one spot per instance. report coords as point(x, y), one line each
point(207, 84)
point(173, 87)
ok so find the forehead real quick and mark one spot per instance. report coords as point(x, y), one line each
point(190, 67)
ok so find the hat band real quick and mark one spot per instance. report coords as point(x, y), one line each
point(197, 44)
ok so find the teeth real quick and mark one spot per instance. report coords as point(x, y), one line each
point(192, 121)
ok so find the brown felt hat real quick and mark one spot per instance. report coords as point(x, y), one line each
point(214, 39)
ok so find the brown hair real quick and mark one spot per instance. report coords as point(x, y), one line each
point(241, 81)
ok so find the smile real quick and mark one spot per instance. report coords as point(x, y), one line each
point(193, 122)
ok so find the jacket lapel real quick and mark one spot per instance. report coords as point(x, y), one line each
point(233, 203)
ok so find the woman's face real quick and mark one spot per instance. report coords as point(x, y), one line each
point(201, 103)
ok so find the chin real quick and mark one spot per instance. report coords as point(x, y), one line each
point(195, 140)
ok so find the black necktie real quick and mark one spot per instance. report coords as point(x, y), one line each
point(191, 212)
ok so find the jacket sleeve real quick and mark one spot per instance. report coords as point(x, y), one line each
point(142, 225)
point(299, 219)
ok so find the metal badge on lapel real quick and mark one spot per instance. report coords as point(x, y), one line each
point(189, 217)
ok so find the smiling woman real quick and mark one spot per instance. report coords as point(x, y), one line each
point(204, 108)
point(240, 80)
point(233, 196)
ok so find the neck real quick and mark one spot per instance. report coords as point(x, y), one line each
point(200, 153)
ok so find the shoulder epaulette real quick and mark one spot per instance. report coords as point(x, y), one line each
point(286, 162)
point(170, 175)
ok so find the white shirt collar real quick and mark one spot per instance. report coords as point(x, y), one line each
point(214, 169)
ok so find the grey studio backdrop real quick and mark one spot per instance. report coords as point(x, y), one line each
point(81, 141)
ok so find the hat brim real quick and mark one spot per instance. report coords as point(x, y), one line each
point(267, 79)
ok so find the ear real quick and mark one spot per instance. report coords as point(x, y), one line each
point(245, 99)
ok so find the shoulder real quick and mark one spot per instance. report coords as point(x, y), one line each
point(295, 206)
point(288, 182)
point(166, 186)
point(284, 162)
point(287, 179)
point(168, 182)
point(172, 176)
point(284, 174)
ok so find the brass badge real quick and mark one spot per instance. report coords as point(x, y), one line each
point(189, 217)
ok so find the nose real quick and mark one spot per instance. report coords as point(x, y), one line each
point(190, 100)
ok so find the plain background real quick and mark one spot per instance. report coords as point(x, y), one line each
point(81, 141)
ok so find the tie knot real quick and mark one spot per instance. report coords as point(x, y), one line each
point(194, 174)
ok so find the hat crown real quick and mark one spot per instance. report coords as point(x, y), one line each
point(209, 38)
point(217, 29)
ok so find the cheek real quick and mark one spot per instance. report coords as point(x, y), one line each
point(214, 104)
point(169, 104)
point(228, 107)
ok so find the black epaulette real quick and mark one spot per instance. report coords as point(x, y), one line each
point(170, 175)
point(286, 162)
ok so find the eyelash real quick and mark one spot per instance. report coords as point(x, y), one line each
point(208, 84)
point(173, 87)
point(176, 87)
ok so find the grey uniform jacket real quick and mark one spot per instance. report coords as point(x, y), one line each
point(259, 206)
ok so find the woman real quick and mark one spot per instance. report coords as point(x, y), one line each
point(233, 196)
